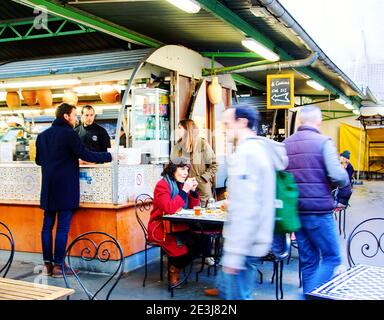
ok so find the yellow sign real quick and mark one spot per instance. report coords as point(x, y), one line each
point(280, 91)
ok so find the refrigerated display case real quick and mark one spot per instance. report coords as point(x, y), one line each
point(151, 128)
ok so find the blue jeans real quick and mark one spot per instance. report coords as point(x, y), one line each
point(64, 221)
point(319, 249)
point(239, 286)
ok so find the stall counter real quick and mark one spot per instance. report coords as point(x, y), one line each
point(20, 211)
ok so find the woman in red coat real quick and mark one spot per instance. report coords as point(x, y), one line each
point(172, 193)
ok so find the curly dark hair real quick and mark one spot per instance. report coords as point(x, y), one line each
point(173, 164)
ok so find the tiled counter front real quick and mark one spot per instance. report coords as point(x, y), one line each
point(134, 180)
point(22, 182)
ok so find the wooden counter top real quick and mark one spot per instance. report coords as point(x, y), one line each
point(82, 204)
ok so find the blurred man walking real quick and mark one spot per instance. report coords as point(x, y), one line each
point(314, 162)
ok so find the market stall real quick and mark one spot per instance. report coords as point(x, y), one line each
point(366, 143)
point(146, 109)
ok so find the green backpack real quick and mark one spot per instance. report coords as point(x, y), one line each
point(287, 219)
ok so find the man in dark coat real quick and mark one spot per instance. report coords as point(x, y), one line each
point(58, 150)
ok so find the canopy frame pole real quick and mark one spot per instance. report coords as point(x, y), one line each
point(358, 161)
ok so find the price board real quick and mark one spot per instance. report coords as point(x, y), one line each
point(280, 91)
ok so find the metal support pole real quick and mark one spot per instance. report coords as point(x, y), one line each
point(358, 182)
point(115, 165)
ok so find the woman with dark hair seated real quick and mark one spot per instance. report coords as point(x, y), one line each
point(172, 193)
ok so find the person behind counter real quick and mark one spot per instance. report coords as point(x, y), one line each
point(58, 150)
point(172, 193)
point(92, 135)
point(201, 156)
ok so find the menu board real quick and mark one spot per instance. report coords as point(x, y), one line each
point(280, 91)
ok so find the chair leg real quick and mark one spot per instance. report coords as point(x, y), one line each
point(201, 268)
point(145, 265)
point(211, 245)
point(339, 222)
point(289, 254)
point(217, 252)
point(170, 287)
point(261, 275)
point(281, 279)
point(300, 278)
point(276, 271)
point(344, 222)
point(161, 263)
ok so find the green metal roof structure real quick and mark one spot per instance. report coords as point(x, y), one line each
point(216, 31)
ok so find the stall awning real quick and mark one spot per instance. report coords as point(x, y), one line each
point(73, 64)
point(372, 116)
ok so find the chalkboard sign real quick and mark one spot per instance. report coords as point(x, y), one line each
point(280, 91)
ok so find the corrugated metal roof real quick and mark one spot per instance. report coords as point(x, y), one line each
point(73, 64)
point(202, 32)
point(74, 44)
point(163, 21)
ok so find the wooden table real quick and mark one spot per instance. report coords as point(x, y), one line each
point(21, 290)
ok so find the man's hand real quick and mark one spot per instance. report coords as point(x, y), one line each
point(85, 162)
point(224, 205)
point(119, 156)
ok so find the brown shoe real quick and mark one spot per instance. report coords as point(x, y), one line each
point(212, 292)
point(57, 271)
point(47, 269)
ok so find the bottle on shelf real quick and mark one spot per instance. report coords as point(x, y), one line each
point(150, 129)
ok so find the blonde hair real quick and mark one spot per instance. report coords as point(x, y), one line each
point(188, 140)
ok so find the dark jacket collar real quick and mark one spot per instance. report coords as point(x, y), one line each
point(308, 128)
point(92, 126)
point(61, 122)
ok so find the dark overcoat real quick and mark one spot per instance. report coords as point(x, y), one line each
point(58, 150)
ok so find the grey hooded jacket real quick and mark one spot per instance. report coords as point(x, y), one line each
point(249, 228)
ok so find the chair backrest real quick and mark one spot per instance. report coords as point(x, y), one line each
point(6, 238)
point(96, 247)
point(365, 244)
point(280, 247)
point(143, 203)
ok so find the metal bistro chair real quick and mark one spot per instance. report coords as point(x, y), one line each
point(143, 203)
point(278, 264)
point(7, 235)
point(97, 247)
point(341, 211)
point(342, 215)
point(365, 242)
point(213, 239)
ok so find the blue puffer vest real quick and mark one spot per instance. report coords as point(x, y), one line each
point(306, 163)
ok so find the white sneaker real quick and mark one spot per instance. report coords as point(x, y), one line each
point(210, 261)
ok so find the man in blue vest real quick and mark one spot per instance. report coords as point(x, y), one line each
point(314, 162)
